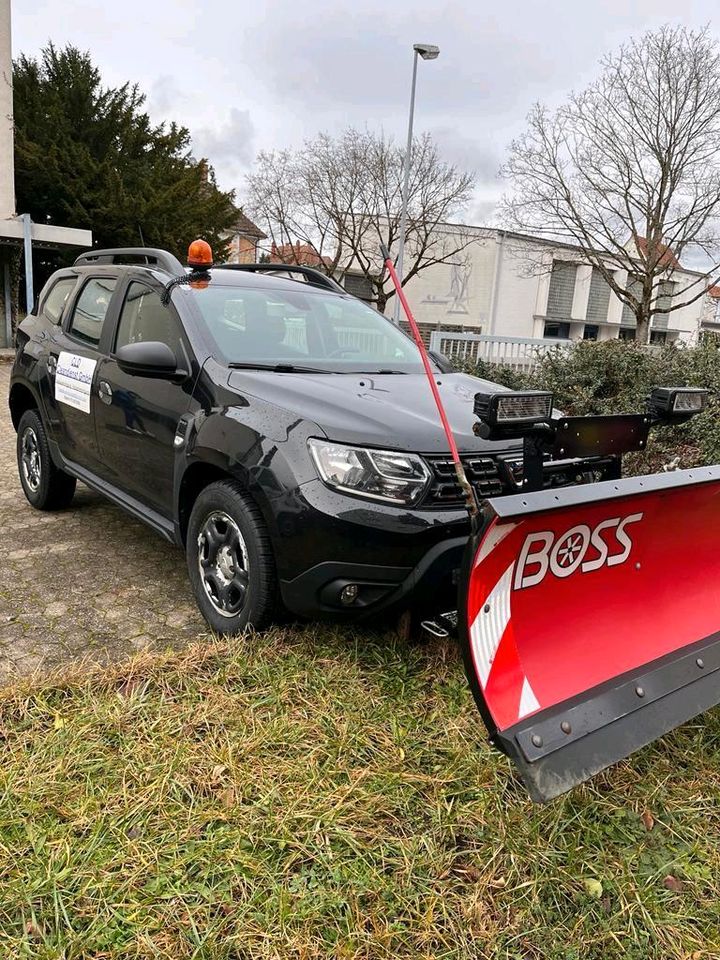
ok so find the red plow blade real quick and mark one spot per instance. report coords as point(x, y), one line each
point(590, 620)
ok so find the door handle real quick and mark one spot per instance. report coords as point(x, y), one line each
point(105, 392)
point(181, 432)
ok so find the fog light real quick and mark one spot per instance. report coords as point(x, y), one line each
point(349, 594)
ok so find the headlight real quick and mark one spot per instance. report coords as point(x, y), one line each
point(377, 474)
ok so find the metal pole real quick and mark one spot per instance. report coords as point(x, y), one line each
point(8, 306)
point(406, 186)
point(27, 240)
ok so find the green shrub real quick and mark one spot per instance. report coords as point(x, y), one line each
point(616, 377)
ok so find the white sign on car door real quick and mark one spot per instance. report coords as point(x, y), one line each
point(73, 380)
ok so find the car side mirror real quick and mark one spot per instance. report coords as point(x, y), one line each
point(148, 358)
point(445, 365)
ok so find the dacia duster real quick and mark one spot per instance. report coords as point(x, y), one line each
point(276, 428)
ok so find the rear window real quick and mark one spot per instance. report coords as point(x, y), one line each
point(57, 298)
point(90, 309)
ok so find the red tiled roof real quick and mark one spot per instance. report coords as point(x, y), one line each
point(247, 228)
point(667, 257)
point(300, 254)
point(714, 292)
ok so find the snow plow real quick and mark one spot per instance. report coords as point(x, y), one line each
point(588, 615)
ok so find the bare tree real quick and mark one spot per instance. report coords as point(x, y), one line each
point(629, 170)
point(342, 196)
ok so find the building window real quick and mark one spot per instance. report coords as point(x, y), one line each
point(598, 299)
point(626, 333)
point(359, 286)
point(590, 331)
point(658, 336)
point(556, 330)
point(629, 319)
point(665, 291)
point(561, 290)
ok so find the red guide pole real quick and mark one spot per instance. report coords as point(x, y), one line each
point(468, 492)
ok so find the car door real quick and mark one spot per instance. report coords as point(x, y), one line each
point(72, 359)
point(137, 417)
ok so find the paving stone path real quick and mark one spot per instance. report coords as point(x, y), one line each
point(87, 582)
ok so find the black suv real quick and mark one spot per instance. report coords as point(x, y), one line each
point(279, 430)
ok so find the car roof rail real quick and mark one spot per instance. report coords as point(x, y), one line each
point(314, 277)
point(129, 256)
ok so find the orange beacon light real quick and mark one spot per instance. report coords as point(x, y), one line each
point(200, 255)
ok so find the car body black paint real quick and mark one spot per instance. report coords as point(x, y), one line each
point(150, 437)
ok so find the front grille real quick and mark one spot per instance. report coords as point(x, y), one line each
point(482, 472)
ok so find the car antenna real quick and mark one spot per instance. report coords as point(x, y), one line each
point(471, 502)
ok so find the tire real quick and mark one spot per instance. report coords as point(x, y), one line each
point(45, 486)
point(230, 560)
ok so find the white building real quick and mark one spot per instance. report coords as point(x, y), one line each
point(509, 285)
point(18, 232)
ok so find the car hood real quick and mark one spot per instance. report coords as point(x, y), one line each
point(395, 411)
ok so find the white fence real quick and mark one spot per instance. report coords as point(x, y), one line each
point(521, 353)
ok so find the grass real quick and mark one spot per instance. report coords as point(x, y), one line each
point(319, 793)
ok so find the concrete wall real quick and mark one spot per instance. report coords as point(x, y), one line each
point(242, 249)
point(521, 292)
point(499, 285)
point(687, 320)
point(459, 292)
point(7, 177)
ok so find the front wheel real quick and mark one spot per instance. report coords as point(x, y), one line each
point(45, 486)
point(230, 561)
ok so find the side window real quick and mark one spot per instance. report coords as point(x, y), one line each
point(57, 298)
point(90, 309)
point(144, 317)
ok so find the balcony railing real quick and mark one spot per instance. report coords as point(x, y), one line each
point(521, 353)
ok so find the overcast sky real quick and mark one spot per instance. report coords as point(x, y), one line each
point(247, 76)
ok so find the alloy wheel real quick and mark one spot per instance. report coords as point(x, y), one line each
point(223, 563)
point(30, 459)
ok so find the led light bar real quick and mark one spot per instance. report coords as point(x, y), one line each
point(513, 408)
point(677, 401)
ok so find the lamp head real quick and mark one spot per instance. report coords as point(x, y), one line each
point(427, 50)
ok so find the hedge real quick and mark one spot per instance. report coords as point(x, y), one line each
point(615, 376)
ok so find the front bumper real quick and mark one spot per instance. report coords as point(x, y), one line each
point(326, 540)
point(430, 586)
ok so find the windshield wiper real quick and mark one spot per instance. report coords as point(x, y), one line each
point(277, 367)
point(367, 373)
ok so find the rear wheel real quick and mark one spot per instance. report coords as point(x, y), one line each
point(45, 486)
point(230, 561)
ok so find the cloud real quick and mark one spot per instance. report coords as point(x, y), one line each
point(165, 94)
point(230, 146)
point(337, 64)
point(469, 154)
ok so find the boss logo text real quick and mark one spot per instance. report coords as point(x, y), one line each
point(580, 548)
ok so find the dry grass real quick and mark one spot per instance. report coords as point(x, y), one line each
point(317, 793)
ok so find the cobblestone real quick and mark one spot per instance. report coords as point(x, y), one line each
point(88, 582)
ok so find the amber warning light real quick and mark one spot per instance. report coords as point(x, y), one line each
point(200, 255)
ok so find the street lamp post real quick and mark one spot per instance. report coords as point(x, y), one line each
point(428, 52)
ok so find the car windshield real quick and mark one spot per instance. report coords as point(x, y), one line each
point(308, 330)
